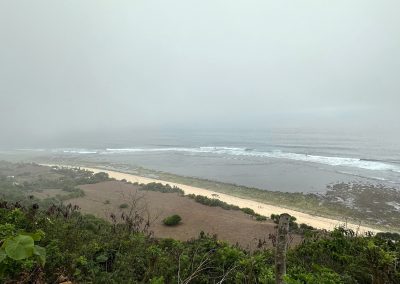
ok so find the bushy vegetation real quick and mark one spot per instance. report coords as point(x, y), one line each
point(214, 202)
point(65, 179)
point(172, 220)
point(77, 176)
point(366, 196)
point(124, 206)
point(45, 243)
point(252, 213)
point(159, 187)
point(82, 248)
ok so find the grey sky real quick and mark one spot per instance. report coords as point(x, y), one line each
point(88, 65)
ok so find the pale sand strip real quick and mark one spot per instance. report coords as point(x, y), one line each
point(258, 207)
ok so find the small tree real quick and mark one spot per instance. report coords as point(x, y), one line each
point(172, 220)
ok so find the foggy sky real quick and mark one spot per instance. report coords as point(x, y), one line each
point(76, 66)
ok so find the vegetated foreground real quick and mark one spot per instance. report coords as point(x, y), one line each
point(45, 241)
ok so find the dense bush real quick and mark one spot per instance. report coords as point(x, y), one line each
point(83, 248)
point(212, 202)
point(159, 187)
point(57, 242)
point(248, 211)
point(124, 205)
point(261, 217)
point(78, 176)
point(68, 181)
point(172, 220)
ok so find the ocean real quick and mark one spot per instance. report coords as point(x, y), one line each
point(282, 160)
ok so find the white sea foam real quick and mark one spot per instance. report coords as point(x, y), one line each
point(395, 205)
point(246, 152)
point(79, 151)
point(235, 151)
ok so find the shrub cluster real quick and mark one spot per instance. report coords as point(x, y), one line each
point(124, 206)
point(213, 202)
point(159, 187)
point(172, 220)
point(62, 243)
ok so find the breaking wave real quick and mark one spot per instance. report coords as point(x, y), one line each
point(374, 165)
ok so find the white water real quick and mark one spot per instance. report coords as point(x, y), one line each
point(240, 151)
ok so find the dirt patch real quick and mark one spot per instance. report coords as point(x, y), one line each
point(229, 225)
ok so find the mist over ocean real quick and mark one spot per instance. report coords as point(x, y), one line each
point(284, 160)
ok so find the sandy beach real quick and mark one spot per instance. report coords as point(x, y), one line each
point(258, 207)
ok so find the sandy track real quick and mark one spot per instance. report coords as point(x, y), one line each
point(258, 207)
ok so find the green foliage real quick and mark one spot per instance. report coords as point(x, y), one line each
point(86, 249)
point(65, 179)
point(251, 212)
point(357, 259)
point(248, 211)
point(213, 202)
point(172, 220)
point(261, 218)
point(319, 275)
point(18, 247)
point(159, 187)
point(124, 206)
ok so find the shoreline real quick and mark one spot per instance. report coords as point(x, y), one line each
point(259, 207)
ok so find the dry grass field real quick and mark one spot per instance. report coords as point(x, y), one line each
point(229, 225)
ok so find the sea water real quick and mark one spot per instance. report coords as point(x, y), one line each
point(285, 160)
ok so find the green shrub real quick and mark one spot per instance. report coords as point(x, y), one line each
point(260, 217)
point(213, 202)
point(85, 249)
point(124, 205)
point(159, 187)
point(306, 227)
point(172, 220)
point(248, 211)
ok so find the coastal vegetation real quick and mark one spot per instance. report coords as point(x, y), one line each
point(123, 205)
point(159, 187)
point(375, 205)
point(172, 220)
point(213, 202)
point(59, 244)
point(44, 242)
